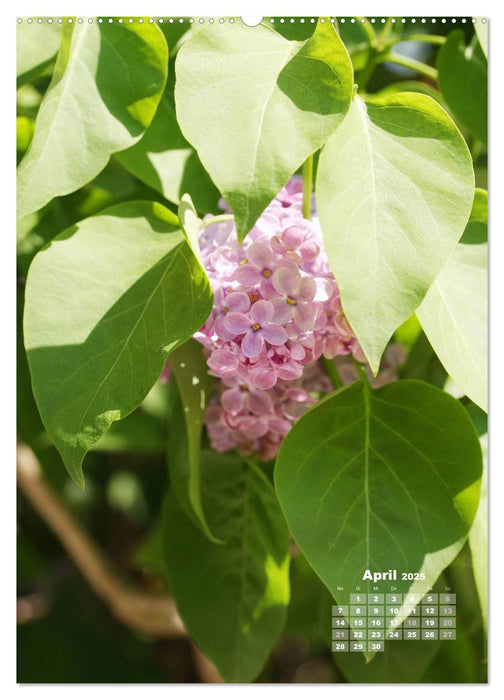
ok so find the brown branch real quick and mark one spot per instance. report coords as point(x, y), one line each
point(152, 615)
point(206, 669)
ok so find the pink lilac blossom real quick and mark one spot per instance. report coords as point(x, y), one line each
point(276, 311)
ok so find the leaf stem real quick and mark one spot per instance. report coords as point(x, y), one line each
point(216, 220)
point(307, 186)
point(251, 460)
point(412, 63)
point(332, 372)
point(426, 38)
point(384, 34)
point(368, 29)
point(362, 374)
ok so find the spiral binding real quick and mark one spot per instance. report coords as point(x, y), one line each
point(231, 20)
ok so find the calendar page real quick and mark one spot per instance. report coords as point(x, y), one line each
point(252, 349)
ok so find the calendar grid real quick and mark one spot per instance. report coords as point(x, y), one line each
point(371, 619)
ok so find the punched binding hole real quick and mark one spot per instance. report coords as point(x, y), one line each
point(251, 21)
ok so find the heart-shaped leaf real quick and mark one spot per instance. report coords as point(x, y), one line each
point(380, 480)
point(106, 301)
point(394, 191)
point(106, 86)
point(255, 106)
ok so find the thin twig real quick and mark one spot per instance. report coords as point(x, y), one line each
point(152, 615)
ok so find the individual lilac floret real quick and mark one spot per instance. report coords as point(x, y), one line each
point(276, 311)
point(292, 244)
point(224, 305)
point(257, 328)
point(296, 293)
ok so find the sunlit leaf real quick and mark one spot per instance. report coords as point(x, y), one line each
point(481, 30)
point(106, 86)
point(106, 301)
point(255, 106)
point(36, 48)
point(394, 191)
point(454, 318)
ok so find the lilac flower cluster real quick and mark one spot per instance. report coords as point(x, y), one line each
point(277, 310)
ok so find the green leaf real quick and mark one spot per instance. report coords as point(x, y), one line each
point(191, 225)
point(476, 229)
point(306, 616)
point(194, 388)
point(149, 555)
point(482, 34)
point(106, 301)
point(255, 106)
point(184, 443)
point(478, 538)
point(166, 162)
point(477, 415)
point(411, 86)
point(36, 47)
point(300, 30)
point(454, 318)
point(357, 39)
point(463, 81)
point(403, 661)
point(232, 597)
point(407, 334)
point(138, 433)
point(106, 87)
point(423, 363)
point(394, 190)
point(380, 480)
point(458, 661)
point(464, 659)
